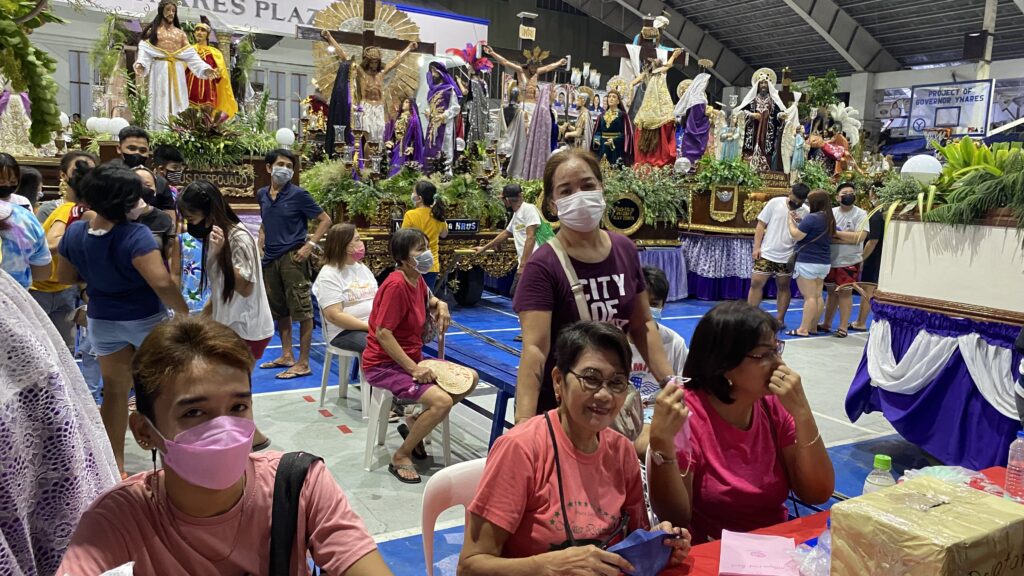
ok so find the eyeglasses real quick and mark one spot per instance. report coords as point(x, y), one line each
point(780, 346)
point(592, 382)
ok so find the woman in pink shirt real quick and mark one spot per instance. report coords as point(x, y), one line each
point(753, 438)
point(208, 511)
point(563, 485)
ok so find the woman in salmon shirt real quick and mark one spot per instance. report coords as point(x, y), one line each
point(208, 510)
point(753, 437)
point(561, 486)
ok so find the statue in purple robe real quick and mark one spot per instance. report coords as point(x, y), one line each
point(691, 114)
point(443, 108)
point(404, 137)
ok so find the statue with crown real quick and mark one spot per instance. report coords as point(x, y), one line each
point(765, 120)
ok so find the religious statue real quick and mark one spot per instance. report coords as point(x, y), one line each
point(163, 54)
point(529, 72)
point(799, 158)
point(443, 102)
point(791, 118)
point(215, 92)
point(691, 112)
point(581, 133)
point(404, 137)
point(368, 90)
point(477, 109)
point(540, 141)
point(730, 144)
point(716, 119)
point(613, 135)
point(15, 124)
point(655, 122)
point(762, 137)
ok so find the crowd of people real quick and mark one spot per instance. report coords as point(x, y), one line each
point(604, 390)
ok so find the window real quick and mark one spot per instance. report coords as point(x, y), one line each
point(300, 89)
point(80, 84)
point(278, 96)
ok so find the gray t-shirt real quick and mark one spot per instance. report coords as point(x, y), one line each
point(853, 220)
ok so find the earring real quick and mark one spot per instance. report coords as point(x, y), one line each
point(730, 382)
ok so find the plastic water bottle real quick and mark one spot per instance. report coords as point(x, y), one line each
point(881, 476)
point(1015, 470)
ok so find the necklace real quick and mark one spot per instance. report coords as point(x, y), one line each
point(611, 116)
point(177, 529)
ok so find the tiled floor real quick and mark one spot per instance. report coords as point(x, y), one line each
point(289, 412)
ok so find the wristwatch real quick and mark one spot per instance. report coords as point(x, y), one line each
point(658, 458)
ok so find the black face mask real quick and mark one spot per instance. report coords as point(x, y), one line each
point(6, 191)
point(174, 177)
point(795, 205)
point(133, 160)
point(847, 200)
point(149, 196)
point(200, 231)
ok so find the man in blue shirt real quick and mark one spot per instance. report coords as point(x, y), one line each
point(286, 210)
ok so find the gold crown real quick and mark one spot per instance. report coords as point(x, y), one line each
point(536, 56)
point(764, 74)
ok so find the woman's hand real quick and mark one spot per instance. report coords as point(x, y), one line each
point(585, 561)
point(787, 386)
point(216, 240)
point(670, 412)
point(444, 318)
point(423, 375)
point(680, 545)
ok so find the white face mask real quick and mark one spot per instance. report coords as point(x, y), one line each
point(134, 213)
point(281, 175)
point(581, 211)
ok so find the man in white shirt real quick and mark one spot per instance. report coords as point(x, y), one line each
point(847, 256)
point(522, 227)
point(773, 247)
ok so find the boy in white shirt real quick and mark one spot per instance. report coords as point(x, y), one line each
point(773, 247)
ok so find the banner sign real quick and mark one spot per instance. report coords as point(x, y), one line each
point(962, 107)
point(282, 16)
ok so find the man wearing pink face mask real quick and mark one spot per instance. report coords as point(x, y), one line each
point(345, 289)
point(209, 509)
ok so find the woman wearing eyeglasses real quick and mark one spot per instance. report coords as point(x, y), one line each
point(753, 438)
point(562, 486)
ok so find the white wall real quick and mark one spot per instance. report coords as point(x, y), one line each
point(980, 265)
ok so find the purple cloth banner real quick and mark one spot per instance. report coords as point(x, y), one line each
point(671, 261)
point(948, 418)
point(719, 267)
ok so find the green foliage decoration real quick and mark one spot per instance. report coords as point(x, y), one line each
point(28, 68)
point(661, 190)
point(737, 172)
point(818, 93)
point(209, 140)
point(106, 50)
point(816, 176)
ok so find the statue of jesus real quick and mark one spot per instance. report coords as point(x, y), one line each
point(762, 138)
point(164, 52)
point(529, 72)
point(368, 92)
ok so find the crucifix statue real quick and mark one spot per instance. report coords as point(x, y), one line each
point(371, 91)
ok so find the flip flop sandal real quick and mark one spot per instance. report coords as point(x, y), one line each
point(823, 328)
point(396, 468)
point(420, 451)
point(286, 375)
point(797, 334)
point(854, 328)
point(275, 364)
point(841, 333)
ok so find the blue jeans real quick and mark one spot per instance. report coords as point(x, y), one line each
point(90, 367)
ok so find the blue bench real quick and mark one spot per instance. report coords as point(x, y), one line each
point(498, 369)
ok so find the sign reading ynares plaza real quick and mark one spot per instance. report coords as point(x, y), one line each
point(962, 107)
point(282, 16)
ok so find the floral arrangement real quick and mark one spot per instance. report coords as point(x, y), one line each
point(737, 172)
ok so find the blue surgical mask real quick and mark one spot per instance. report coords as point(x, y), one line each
point(424, 262)
point(656, 313)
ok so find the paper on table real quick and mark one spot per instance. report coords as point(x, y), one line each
point(756, 555)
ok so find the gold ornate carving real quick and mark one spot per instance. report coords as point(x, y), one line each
point(725, 201)
point(457, 254)
point(626, 213)
point(954, 309)
point(234, 182)
point(717, 229)
point(657, 243)
point(751, 208)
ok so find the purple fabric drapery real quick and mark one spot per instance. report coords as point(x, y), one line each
point(671, 261)
point(5, 99)
point(949, 418)
point(719, 267)
point(695, 133)
point(538, 139)
point(444, 83)
point(413, 139)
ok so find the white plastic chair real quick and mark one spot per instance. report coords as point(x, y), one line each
point(376, 430)
point(453, 486)
point(344, 369)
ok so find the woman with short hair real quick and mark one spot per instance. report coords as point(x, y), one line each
point(752, 438)
point(561, 487)
point(129, 287)
point(209, 509)
point(394, 347)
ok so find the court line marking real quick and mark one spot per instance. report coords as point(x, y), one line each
point(415, 531)
point(844, 422)
point(492, 308)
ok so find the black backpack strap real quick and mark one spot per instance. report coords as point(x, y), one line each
point(291, 476)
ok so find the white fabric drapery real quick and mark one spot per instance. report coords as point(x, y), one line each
point(989, 366)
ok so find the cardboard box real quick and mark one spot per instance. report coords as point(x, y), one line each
point(925, 527)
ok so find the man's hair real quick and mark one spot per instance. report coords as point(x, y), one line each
point(132, 132)
point(800, 190)
point(843, 185)
point(164, 154)
point(8, 165)
point(512, 191)
point(273, 155)
point(657, 283)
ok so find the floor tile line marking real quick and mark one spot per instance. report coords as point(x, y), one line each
point(843, 422)
point(499, 311)
point(416, 531)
